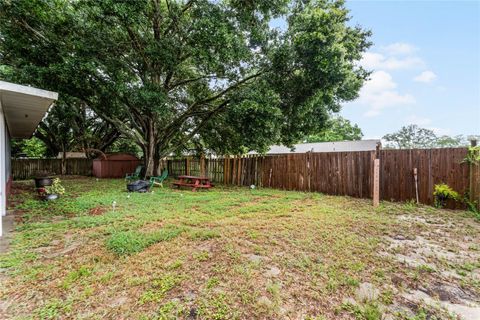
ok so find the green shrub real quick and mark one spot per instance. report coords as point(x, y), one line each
point(472, 206)
point(55, 188)
point(473, 156)
point(128, 242)
point(442, 193)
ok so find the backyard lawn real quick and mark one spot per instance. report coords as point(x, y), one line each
point(235, 253)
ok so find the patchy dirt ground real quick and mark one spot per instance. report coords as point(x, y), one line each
point(235, 253)
point(446, 254)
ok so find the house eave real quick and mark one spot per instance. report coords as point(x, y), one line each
point(24, 107)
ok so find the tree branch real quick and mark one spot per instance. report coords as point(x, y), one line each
point(186, 81)
point(203, 122)
point(173, 126)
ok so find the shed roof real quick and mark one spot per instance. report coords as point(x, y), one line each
point(116, 157)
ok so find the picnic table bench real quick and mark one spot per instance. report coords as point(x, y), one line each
point(194, 182)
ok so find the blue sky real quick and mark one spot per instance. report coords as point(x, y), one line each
point(426, 67)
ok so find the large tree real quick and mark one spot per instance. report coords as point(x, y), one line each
point(337, 129)
point(413, 137)
point(210, 73)
point(71, 126)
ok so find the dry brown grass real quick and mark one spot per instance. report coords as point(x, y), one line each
point(234, 253)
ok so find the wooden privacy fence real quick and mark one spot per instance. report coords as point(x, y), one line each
point(335, 173)
point(27, 168)
point(340, 173)
point(434, 166)
point(345, 173)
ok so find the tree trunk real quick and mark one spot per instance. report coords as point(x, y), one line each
point(149, 155)
point(156, 165)
point(52, 146)
point(64, 161)
point(150, 150)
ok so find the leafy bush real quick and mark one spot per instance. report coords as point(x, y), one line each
point(471, 205)
point(55, 188)
point(128, 242)
point(442, 193)
point(473, 156)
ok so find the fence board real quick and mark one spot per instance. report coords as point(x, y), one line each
point(28, 168)
point(336, 173)
point(434, 166)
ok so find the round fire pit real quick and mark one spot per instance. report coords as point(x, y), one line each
point(43, 182)
point(138, 186)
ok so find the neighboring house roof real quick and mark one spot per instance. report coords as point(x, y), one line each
point(337, 146)
point(24, 107)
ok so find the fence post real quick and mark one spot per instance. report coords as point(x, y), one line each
point(226, 170)
point(239, 170)
point(309, 170)
point(376, 176)
point(376, 182)
point(187, 166)
point(202, 165)
point(474, 179)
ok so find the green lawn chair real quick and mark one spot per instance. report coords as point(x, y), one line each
point(159, 180)
point(135, 175)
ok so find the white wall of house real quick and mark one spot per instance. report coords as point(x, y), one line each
point(21, 109)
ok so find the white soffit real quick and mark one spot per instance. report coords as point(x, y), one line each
point(24, 107)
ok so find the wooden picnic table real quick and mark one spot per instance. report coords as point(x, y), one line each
point(194, 182)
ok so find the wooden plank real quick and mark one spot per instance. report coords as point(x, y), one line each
point(27, 168)
point(376, 182)
point(336, 173)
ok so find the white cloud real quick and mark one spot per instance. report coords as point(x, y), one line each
point(379, 93)
point(399, 48)
point(420, 121)
point(376, 61)
point(379, 81)
point(424, 122)
point(426, 77)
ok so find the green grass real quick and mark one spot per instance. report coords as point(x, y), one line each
point(128, 242)
point(159, 288)
point(367, 311)
point(175, 253)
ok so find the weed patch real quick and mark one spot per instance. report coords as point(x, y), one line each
point(226, 253)
point(129, 242)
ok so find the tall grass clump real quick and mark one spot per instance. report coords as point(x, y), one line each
point(129, 242)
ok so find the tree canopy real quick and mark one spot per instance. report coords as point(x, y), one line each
point(168, 74)
point(32, 148)
point(71, 126)
point(415, 137)
point(337, 129)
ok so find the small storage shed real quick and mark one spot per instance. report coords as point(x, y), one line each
point(115, 165)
